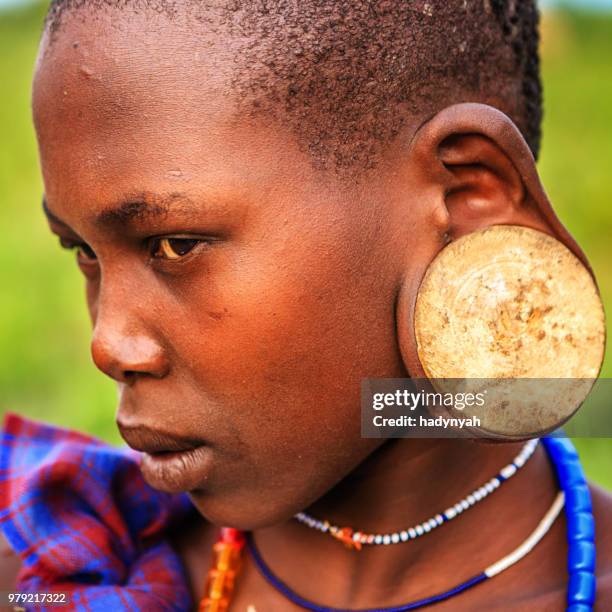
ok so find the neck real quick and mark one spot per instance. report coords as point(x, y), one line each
point(404, 483)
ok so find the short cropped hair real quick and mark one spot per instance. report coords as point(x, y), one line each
point(346, 75)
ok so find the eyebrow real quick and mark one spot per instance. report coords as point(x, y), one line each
point(143, 206)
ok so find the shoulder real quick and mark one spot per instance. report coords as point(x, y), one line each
point(549, 567)
point(602, 512)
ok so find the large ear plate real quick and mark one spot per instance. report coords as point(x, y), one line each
point(510, 302)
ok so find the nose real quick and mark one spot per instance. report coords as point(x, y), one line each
point(127, 357)
point(121, 345)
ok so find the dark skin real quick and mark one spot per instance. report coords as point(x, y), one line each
point(257, 338)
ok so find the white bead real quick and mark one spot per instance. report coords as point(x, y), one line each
point(450, 513)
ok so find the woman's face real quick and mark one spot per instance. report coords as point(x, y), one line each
point(250, 328)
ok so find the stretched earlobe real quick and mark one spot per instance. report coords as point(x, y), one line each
point(497, 302)
point(497, 311)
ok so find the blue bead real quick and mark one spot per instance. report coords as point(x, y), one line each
point(560, 448)
point(581, 556)
point(581, 526)
point(570, 474)
point(578, 499)
point(581, 588)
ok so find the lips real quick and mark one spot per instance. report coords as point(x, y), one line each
point(170, 462)
point(174, 472)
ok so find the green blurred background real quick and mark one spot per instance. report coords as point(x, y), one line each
point(45, 368)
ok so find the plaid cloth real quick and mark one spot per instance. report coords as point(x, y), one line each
point(83, 520)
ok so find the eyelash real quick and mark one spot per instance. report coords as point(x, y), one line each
point(79, 247)
point(160, 245)
point(164, 244)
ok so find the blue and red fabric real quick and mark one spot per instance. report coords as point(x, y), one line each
point(83, 521)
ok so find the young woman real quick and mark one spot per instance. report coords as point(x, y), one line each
point(255, 192)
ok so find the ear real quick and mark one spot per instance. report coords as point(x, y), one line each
point(476, 160)
point(476, 170)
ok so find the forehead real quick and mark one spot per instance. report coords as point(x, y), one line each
point(128, 68)
point(143, 103)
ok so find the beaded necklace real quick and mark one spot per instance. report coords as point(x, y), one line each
point(356, 539)
point(574, 495)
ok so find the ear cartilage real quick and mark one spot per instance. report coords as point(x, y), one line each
point(512, 310)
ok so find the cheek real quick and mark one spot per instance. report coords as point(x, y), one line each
point(281, 354)
point(297, 326)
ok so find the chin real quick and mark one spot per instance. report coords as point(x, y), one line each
point(241, 512)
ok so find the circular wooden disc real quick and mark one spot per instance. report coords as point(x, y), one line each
point(510, 302)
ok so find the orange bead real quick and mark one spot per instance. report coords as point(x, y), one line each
point(214, 605)
point(221, 578)
point(219, 584)
point(226, 556)
point(345, 535)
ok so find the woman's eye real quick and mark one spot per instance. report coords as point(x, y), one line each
point(85, 254)
point(173, 248)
